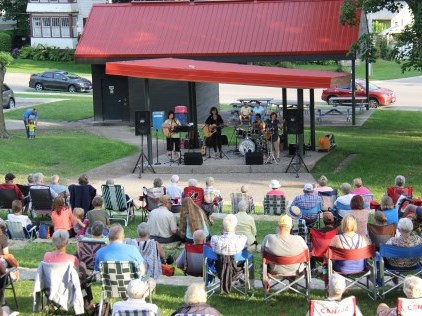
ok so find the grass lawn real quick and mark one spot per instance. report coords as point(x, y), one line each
point(66, 152)
point(72, 108)
point(31, 67)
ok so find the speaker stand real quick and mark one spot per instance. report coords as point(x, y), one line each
point(236, 149)
point(156, 145)
point(297, 161)
point(141, 159)
point(270, 158)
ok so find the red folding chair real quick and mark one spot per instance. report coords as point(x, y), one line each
point(286, 280)
point(369, 273)
point(320, 241)
point(409, 306)
point(396, 192)
point(345, 307)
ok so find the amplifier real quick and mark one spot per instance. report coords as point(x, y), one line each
point(193, 158)
point(254, 158)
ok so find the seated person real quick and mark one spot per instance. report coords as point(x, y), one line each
point(399, 189)
point(349, 239)
point(229, 243)
point(212, 197)
point(258, 127)
point(196, 302)
point(380, 219)
point(61, 216)
point(151, 251)
point(158, 189)
point(299, 224)
point(360, 213)
point(192, 218)
point(344, 200)
point(59, 188)
point(275, 188)
point(194, 192)
point(390, 211)
point(137, 290)
point(308, 200)
point(405, 239)
point(245, 113)
point(79, 223)
point(197, 259)
point(412, 288)
point(328, 219)
point(97, 233)
point(246, 223)
point(127, 197)
point(322, 185)
point(284, 244)
point(244, 190)
point(359, 188)
point(98, 213)
point(336, 288)
point(162, 222)
point(174, 190)
point(39, 184)
point(82, 194)
point(17, 216)
point(8, 184)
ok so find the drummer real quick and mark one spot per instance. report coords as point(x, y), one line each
point(258, 127)
point(273, 124)
point(245, 113)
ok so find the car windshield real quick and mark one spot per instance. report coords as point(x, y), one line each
point(372, 87)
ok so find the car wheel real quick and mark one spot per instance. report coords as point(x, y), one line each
point(373, 103)
point(71, 88)
point(12, 103)
point(329, 101)
point(38, 86)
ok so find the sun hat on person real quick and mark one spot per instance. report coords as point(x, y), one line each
point(274, 184)
point(164, 198)
point(285, 220)
point(295, 212)
point(308, 187)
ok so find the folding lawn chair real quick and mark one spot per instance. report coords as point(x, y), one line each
point(41, 200)
point(380, 234)
point(193, 255)
point(312, 216)
point(87, 251)
point(328, 198)
point(345, 307)
point(274, 204)
point(320, 241)
point(409, 306)
point(237, 197)
point(115, 202)
point(7, 196)
point(18, 232)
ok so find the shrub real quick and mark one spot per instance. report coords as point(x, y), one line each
point(47, 53)
point(5, 42)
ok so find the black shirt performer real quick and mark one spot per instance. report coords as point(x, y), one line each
point(273, 124)
point(212, 130)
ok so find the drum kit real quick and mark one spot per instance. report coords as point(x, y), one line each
point(252, 141)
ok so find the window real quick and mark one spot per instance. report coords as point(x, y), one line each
point(47, 75)
point(57, 26)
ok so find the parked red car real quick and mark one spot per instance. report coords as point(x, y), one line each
point(377, 95)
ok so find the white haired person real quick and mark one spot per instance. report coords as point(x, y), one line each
point(137, 290)
point(196, 302)
point(359, 188)
point(336, 288)
point(176, 192)
point(246, 223)
point(212, 195)
point(229, 243)
point(412, 288)
point(322, 185)
point(194, 192)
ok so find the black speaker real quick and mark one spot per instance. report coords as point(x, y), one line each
point(294, 121)
point(224, 140)
point(292, 149)
point(142, 123)
point(193, 158)
point(254, 158)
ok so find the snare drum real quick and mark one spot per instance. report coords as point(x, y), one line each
point(241, 133)
point(248, 145)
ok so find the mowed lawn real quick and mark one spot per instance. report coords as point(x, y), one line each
point(387, 145)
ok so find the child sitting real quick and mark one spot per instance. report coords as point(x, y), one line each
point(18, 217)
point(79, 224)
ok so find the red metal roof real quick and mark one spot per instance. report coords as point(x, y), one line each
point(207, 71)
point(221, 28)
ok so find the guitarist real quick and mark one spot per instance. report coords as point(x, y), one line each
point(173, 138)
point(215, 123)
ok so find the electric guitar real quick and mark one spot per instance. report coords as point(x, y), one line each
point(209, 130)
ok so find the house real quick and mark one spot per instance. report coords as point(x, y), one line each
point(58, 22)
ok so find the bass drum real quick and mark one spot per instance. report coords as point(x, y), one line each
point(248, 145)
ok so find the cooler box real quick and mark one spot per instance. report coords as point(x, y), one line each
point(158, 119)
point(181, 113)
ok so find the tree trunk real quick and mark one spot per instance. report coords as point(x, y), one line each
point(3, 131)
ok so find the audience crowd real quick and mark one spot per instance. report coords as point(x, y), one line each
point(184, 215)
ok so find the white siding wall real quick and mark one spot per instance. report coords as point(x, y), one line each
point(58, 42)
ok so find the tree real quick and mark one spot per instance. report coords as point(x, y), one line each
point(408, 49)
point(5, 60)
point(16, 10)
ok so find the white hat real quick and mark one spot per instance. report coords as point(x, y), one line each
point(308, 187)
point(274, 184)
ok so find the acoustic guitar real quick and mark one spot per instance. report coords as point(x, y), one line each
point(210, 130)
point(167, 131)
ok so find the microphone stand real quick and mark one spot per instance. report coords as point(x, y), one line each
point(156, 144)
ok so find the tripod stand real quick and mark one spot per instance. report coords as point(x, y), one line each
point(141, 158)
point(271, 158)
point(297, 161)
point(236, 148)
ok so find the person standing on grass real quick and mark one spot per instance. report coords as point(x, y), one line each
point(30, 115)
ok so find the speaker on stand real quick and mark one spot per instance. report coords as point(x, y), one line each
point(142, 127)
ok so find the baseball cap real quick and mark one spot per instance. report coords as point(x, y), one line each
point(295, 212)
point(9, 176)
point(163, 199)
point(308, 187)
point(285, 220)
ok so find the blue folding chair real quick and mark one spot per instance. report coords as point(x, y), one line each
point(210, 273)
point(311, 216)
point(387, 274)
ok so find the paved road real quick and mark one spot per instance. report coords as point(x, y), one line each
point(408, 91)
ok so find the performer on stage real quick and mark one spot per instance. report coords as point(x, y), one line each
point(273, 124)
point(258, 126)
point(213, 126)
point(245, 113)
point(173, 138)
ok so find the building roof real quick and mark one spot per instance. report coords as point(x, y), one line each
point(213, 29)
point(207, 71)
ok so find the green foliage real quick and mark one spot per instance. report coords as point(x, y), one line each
point(385, 51)
point(5, 42)
point(47, 53)
point(16, 10)
point(5, 60)
point(378, 27)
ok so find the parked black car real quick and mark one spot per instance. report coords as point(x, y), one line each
point(8, 97)
point(59, 80)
